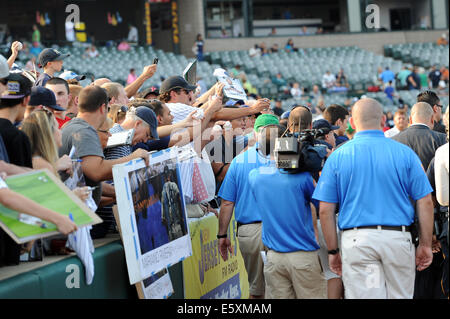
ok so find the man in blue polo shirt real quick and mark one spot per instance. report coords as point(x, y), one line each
point(292, 269)
point(374, 179)
point(386, 76)
point(235, 193)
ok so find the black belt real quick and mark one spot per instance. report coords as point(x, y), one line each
point(398, 228)
point(240, 224)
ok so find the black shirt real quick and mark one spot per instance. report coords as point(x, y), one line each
point(42, 79)
point(16, 143)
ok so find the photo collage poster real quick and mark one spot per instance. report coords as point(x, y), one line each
point(152, 214)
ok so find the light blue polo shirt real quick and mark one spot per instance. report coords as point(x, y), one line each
point(284, 203)
point(374, 179)
point(235, 187)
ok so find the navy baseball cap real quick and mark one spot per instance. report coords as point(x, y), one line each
point(147, 115)
point(42, 96)
point(48, 55)
point(175, 82)
point(322, 123)
point(18, 86)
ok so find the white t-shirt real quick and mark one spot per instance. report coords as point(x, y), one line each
point(180, 111)
point(392, 132)
point(328, 80)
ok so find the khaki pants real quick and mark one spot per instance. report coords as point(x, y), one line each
point(378, 264)
point(296, 275)
point(250, 243)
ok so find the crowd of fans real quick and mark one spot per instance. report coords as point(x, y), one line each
point(42, 116)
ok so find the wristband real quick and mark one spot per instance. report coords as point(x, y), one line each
point(221, 236)
point(333, 251)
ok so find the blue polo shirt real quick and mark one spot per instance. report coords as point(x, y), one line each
point(284, 203)
point(374, 179)
point(387, 75)
point(235, 187)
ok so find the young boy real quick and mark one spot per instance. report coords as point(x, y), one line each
point(52, 61)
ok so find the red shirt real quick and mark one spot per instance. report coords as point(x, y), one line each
point(62, 122)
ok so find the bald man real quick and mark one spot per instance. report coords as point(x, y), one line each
point(374, 179)
point(419, 136)
point(300, 119)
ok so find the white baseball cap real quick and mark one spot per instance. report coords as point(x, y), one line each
point(4, 67)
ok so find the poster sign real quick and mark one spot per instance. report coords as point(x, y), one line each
point(233, 88)
point(206, 274)
point(190, 73)
point(152, 214)
point(46, 189)
point(158, 286)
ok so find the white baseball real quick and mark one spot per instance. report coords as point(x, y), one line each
point(19, 46)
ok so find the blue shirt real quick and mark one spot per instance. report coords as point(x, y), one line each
point(284, 203)
point(235, 187)
point(389, 90)
point(373, 178)
point(387, 76)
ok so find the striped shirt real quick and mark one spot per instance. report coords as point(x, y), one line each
point(118, 151)
point(180, 111)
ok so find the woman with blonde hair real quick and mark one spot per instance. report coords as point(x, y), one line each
point(117, 113)
point(45, 137)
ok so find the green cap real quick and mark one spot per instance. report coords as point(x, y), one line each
point(265, 119)
point(349, 128)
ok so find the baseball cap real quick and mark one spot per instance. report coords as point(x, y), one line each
point(349, 128)
point(18, 85)
point(42, 96)
point(265, 119)
point(70, 75)
point(285, 115)
point(175, 82)
point(48, 55)
point(4, 67)
point(150, 90)
point(322, 123)
point(234, 102)
point(147, 115)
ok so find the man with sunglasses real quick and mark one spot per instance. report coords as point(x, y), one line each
point(431, 98)
point(179, 98)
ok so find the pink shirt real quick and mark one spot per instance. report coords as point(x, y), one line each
point(131, 78)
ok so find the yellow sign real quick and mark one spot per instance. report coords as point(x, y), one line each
point(206, 274)
point(148, 24)
point(175, 30)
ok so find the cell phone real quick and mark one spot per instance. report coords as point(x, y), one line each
point(155, 61)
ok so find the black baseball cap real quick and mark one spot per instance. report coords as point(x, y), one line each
point(324, 124)
point(18, 85)
point(48, 55)
point(42, 96)
point(175, 82)
point(150, 90)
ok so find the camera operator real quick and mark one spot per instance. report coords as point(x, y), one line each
point(292, 269)
point(300, 123)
